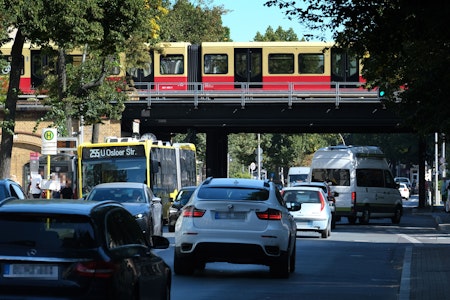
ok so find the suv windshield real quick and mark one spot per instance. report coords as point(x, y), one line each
point(232, 193)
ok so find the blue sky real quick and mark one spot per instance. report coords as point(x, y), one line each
point(246, 17)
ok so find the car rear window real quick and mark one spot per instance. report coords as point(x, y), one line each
point(46, 232)
point(299, 196)
point(232, 193)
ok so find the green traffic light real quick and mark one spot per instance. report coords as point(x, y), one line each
point(381, 93)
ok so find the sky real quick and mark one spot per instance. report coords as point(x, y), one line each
point(247, 17)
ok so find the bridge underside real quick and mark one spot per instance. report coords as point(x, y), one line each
point(218, 120)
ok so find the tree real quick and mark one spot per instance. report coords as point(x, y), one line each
point(278, 35)
point(404, 47)
point(186, 22)
point(108, 27)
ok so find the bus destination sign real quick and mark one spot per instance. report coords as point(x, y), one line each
point(113, 152)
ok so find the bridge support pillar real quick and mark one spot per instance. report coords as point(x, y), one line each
point(216, 153)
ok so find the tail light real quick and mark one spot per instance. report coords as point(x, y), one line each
point(95, 269)
point(193, 212)
point(353, 201)
point(269, 214)
point(322, 201)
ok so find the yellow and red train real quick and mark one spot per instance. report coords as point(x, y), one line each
point(225, 66)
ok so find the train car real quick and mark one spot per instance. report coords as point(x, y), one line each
point(222, 66)
point(35, 63)
point(167, 69)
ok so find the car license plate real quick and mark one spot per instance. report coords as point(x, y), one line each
point(38, 271)
point(230, 215)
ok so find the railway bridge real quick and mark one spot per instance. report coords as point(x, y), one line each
point(219, 113)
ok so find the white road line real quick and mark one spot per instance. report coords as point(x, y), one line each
point(410, 239)
point(405, 284)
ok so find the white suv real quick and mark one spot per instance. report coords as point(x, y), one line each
point(235, 220)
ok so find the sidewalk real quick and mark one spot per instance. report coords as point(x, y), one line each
point(429, 265)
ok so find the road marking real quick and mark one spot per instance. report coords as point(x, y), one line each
point(410, 239)
point(405, 284)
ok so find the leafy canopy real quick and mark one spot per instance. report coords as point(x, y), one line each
point(404, 47)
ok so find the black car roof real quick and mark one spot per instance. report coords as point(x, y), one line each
point(58, 206)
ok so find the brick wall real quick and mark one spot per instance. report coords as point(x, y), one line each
point(27, 141)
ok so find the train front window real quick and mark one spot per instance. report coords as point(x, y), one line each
point(172, 64)
point(216, 64)
point(281, 63)
point(311, 63)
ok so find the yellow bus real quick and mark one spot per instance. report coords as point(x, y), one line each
point(163, 166)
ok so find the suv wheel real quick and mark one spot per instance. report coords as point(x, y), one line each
point(182, 265)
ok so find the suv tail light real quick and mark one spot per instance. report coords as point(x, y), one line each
point(95, 269)
point(269, 214)
point(193, 212)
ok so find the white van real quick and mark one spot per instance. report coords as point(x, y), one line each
point(297, 174)
point(361, 180)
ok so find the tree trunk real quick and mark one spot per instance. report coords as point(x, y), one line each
point(62, 88)
point(95, 132)
point(8, 124)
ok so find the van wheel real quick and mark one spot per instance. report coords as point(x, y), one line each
point(364, 219)
point(352, 220)
point(397, 215)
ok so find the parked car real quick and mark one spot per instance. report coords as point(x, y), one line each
point(137, 198)
point(330, 197)
point(10, 188)
point(310, 209)
point(72, 249)
point(235, 220)
point(404, 190)
point(182, 197)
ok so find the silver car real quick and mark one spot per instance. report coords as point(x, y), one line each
point(310, 208)
point(235, 220)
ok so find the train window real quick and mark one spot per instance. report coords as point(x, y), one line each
point(216, 64)
point(281, 63)
point(172, 64)
point(311, 63)
point(6, 64)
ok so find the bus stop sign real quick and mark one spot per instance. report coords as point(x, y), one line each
point(49, 141)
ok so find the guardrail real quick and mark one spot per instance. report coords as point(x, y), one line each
point(255, 92)
point(241, 93)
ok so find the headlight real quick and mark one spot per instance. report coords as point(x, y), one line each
point(139, 216)
point(173, 210)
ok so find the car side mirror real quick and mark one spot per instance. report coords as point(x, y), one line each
point(156, 200)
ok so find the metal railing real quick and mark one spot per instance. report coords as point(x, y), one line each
point(255, 92)
point(241, 93)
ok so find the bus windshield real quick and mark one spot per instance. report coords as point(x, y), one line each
point(112, 170)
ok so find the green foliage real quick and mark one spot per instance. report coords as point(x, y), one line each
point(403, 45)
point(278, 35)
point(198, 23)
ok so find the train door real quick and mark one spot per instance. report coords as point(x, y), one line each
point(344, 67)
point(39, 62)
point(142, 78)
point(248, 66)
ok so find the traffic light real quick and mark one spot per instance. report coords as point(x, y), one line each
point(381, 92)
